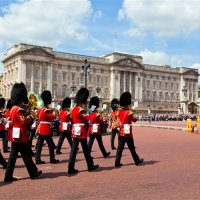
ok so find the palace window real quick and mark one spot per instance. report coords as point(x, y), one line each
point(28, 72)
point(166, 85)
point(64, 76)
point(82, 77)
point(44, 73)
point(98, 79)
point(55, 76)
point(73, 76)
point(172, 85)
point(36, 73)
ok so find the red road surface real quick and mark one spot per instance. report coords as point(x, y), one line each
point(171, 171)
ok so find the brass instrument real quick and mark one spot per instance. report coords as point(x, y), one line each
point(35, 101)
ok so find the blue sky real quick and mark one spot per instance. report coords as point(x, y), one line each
point(164, 32)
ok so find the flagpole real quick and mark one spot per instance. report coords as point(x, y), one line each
point(115, 41)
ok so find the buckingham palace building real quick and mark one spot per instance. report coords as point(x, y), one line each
point(154, 88)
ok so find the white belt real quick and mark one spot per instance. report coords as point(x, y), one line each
point(78, 124)
point(129, 124)
point(43, 122)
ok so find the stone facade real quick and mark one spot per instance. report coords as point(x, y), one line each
point(161, 88)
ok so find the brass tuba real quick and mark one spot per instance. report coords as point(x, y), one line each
point(34, 101)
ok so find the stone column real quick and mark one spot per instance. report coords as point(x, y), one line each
point(130, 82)
point(49, 77)
point(124, 82)
point(136, 87)
point(117, 84)
point(32, 77)
point(140, 87)
point(112, 84)
point(40, 84)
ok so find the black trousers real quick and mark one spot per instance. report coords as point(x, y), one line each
point(98, 137)
point(25, 151)
point(131, 146)
point(39, 145)
point(63, 135)
point(2, 159)
point(3, 135)
point(32, 135)
point(113, 134)
point(74, 149)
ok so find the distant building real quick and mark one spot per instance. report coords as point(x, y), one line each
point(154, 88)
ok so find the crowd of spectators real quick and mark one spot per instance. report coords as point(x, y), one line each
point(165, 117)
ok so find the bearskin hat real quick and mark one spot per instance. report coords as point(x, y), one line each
point(9, 104)
point(94, 101)
point(114, 103)
point(125, 99)
point(82, 96)
point(2, 102)
point(19, 94)
point(46, 97)
point(66, 103)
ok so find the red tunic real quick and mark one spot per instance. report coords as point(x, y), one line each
point(114, 120)
point(19, 120)
point(95, 121)
point(79, 120)
point(65, 121)
point(45, 117)
point(126, 118)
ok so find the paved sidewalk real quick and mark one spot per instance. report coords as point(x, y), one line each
point(170, 171)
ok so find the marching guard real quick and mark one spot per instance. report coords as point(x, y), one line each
point(45, 116)
point(125, 134)
point(114, 121)
point(79, 132)
point(65, 124)
point(94, 130)
point(20, 139)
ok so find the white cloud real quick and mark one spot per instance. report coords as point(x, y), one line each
point(160, 58)
point(97, 15)
point(163, 18)
point(45, 22)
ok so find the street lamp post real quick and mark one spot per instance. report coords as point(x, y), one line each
point(184, 90)
point(149, 108)
point(73, 88)
point(85, 69)
point(179, 106)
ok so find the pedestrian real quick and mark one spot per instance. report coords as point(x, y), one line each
point(79, 132)
point(20, 139)
point(94, 130)
point(125, 134)
point(65, 124)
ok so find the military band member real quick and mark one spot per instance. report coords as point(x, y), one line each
point(125, 134)
point(79, 132)
point(3, 134)
point(45, 116)
point(20, 139)
point(94, 130)
point(65, 124)
point(114, 121)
